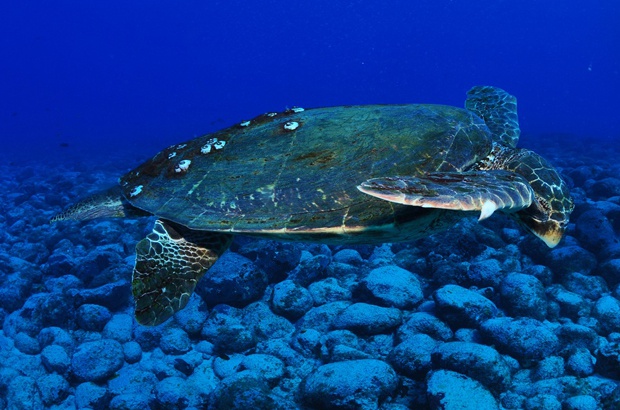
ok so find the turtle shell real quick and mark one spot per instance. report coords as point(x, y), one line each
point(297, 172)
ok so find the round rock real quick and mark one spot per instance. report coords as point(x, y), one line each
point(97, 361)
point(54, 388)
point(583, 402)
point(543, 401)
point(175, 341)
point(463, 307)
point(422, 322)
point(91, 395)
point(55, 359)
point(27, 344)
point(352, 384)
point(580, 363)
point(130, 401)
point(291, 300)
point(233, 280)
point(23, 393)
point(349, 256)
point(524, 295)
point(92, 317)
point(570, 304)
point(571, 258)
point(448, 390)
point(521, 338)
point(392, 286)
point(607, 311)
point(549, 368)
point(480, 362)
point(363, 318)
point(591, 287)
point(412, 357)
point(243, 390)
point(610, 271)
point(119, 328)
point(327, 291)
point(270, 367)
point(608, 360)
point(193, 316)
point(132, 352)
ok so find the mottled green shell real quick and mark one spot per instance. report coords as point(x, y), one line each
point(297, 171)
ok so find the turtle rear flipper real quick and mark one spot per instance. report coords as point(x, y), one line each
point(169, 263)
point(484, 191)
point(105, 204)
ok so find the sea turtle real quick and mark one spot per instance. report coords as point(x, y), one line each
point(339, 175)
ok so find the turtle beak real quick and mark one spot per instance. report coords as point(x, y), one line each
point(548, 218)
point(550, 231)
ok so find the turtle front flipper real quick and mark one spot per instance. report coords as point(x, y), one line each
point(169, 263)
point(484, 191)
point(498, 109)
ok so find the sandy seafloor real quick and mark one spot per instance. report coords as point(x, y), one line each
point(483, 316)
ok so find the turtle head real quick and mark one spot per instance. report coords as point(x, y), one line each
point(548, 215)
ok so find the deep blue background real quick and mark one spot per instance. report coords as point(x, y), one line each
point(140, 75)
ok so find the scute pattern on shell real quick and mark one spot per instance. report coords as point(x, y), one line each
point(303, 179)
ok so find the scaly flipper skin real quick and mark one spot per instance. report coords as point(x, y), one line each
point(107, 204)
point(498, 109)
point(169, 263)
point(484, 191)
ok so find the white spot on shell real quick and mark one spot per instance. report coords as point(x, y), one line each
point(183, 166)
point(272, 114)
point(297, 109)
point(136, 191)
point(181, 146)
point(212, 143)
point(172, 155)
point(291, 125)
point(245, 123)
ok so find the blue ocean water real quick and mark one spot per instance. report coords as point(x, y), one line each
point(118, 75)
point(90, 90)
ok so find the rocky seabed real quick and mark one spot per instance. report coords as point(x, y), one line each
point(481, 317)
